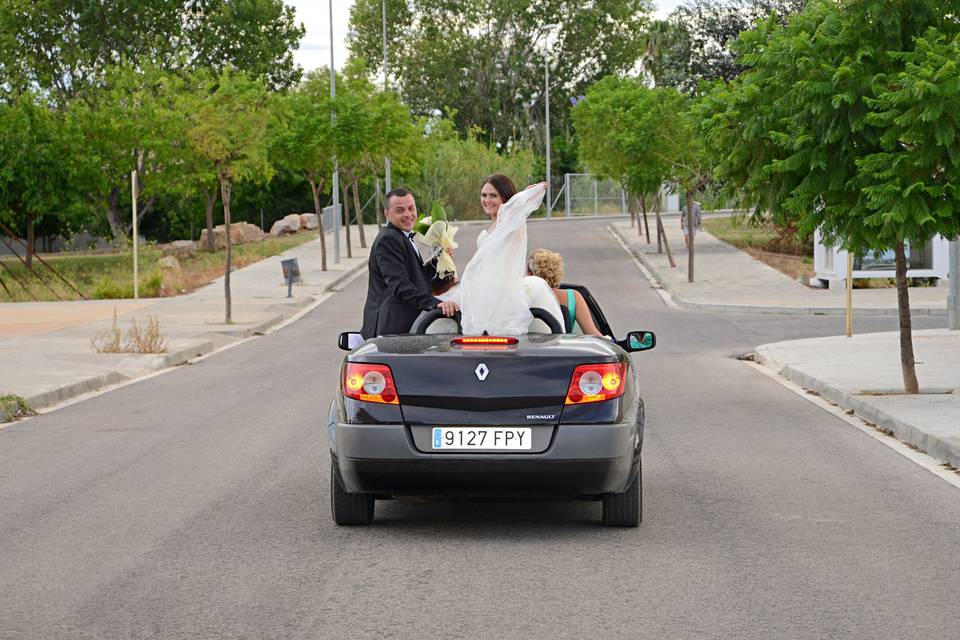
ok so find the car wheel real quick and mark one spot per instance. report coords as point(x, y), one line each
point(348, 508)
point(625, 509)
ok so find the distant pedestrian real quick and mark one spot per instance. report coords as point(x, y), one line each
point(697, 214)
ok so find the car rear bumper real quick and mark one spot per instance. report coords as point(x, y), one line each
point(582, 460)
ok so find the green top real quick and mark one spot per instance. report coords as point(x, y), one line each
point(571, 308)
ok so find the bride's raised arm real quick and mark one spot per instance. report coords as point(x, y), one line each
point(515, 211)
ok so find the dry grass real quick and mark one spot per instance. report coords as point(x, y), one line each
point(139, 338)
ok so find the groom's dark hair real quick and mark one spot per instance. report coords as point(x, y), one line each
point(502, 184)
point(398, 192)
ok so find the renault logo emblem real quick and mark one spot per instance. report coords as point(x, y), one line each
point(482, 372)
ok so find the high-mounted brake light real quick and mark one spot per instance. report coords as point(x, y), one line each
point(484, 340)
point(370, 383)
point(596, 383)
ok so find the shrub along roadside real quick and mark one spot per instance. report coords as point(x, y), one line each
point(110, 276)
point(13, 407)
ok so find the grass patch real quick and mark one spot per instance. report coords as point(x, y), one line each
point(765, 237)
point(110, 275)
point(13, 407)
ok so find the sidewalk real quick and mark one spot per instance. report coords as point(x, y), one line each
point(45, 346)
point(860, 374)
point(727, 279)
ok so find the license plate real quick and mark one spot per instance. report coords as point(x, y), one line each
point(495, 438)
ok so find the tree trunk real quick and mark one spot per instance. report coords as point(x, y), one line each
point(356, 210)
point(907, 364)
point(316, 208)
point(31, 240)
point(377, 208)
point(226, 185)
point(691, 232)
point(656, 203)
point(662, 234)
point(117, 227)
point(346, 216)
point(646, 223)
point(210, 196)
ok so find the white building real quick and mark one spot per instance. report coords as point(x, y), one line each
point(930, 261)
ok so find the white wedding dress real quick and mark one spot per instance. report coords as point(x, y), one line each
point(494, 293)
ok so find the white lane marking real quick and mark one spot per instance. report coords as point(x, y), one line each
point(93, 394)
point(919, 458)
point(664, 294)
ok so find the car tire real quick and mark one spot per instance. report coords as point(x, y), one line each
point(625, 509)
point(348, 509)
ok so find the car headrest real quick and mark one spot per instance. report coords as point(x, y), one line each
point(543, 322)
point(434, 322)
point(442, 325)
point(539, 326)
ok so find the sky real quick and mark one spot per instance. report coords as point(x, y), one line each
point(314, 49)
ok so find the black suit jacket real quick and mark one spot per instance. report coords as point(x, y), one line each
point(398, 286)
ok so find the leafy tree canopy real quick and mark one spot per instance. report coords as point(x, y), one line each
point(481, 62)
point(693, 44)
point(62, 46)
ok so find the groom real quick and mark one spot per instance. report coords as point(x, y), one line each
point(398, 288)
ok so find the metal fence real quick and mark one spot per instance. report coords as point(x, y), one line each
point(586, 195)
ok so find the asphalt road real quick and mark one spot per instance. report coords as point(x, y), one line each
point(195, 505)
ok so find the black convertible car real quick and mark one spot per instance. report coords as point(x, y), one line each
point(437, 413)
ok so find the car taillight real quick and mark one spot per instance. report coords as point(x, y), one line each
point(596, 382)
point(370, 383)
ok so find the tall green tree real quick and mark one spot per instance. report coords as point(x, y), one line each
point(132, 122)
point(812, 129)
point(35, 170)
point(693, 45)
point(64, 46)
point(228, 125)
point(621, 125)
point(481, 62)
point(306, 146)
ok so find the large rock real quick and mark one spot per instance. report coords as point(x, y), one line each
point(248, 232)
point(240, 232)
point(308, 221)
point(180, 249)
point(287, 224)
point(169, 262)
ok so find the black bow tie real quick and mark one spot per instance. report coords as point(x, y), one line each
point(410, 234)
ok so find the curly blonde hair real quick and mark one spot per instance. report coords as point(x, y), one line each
point(548, 265)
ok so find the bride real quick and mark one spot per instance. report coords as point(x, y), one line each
point(494, 293)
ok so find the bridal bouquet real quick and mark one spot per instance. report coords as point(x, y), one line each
point(435, 232)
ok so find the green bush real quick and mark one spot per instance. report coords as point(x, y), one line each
point(109, 289)
point(13, 407)
point(453, 168)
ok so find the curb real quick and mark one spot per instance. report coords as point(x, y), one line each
point(904, 431)
point(346, 275)
point(761, 309)
point(70, 391)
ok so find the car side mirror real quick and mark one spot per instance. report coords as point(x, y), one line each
point(638, 341)
point(349, 340)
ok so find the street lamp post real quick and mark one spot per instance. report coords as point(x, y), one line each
point(386, 87)
point(546, 92)
point(336, 168)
